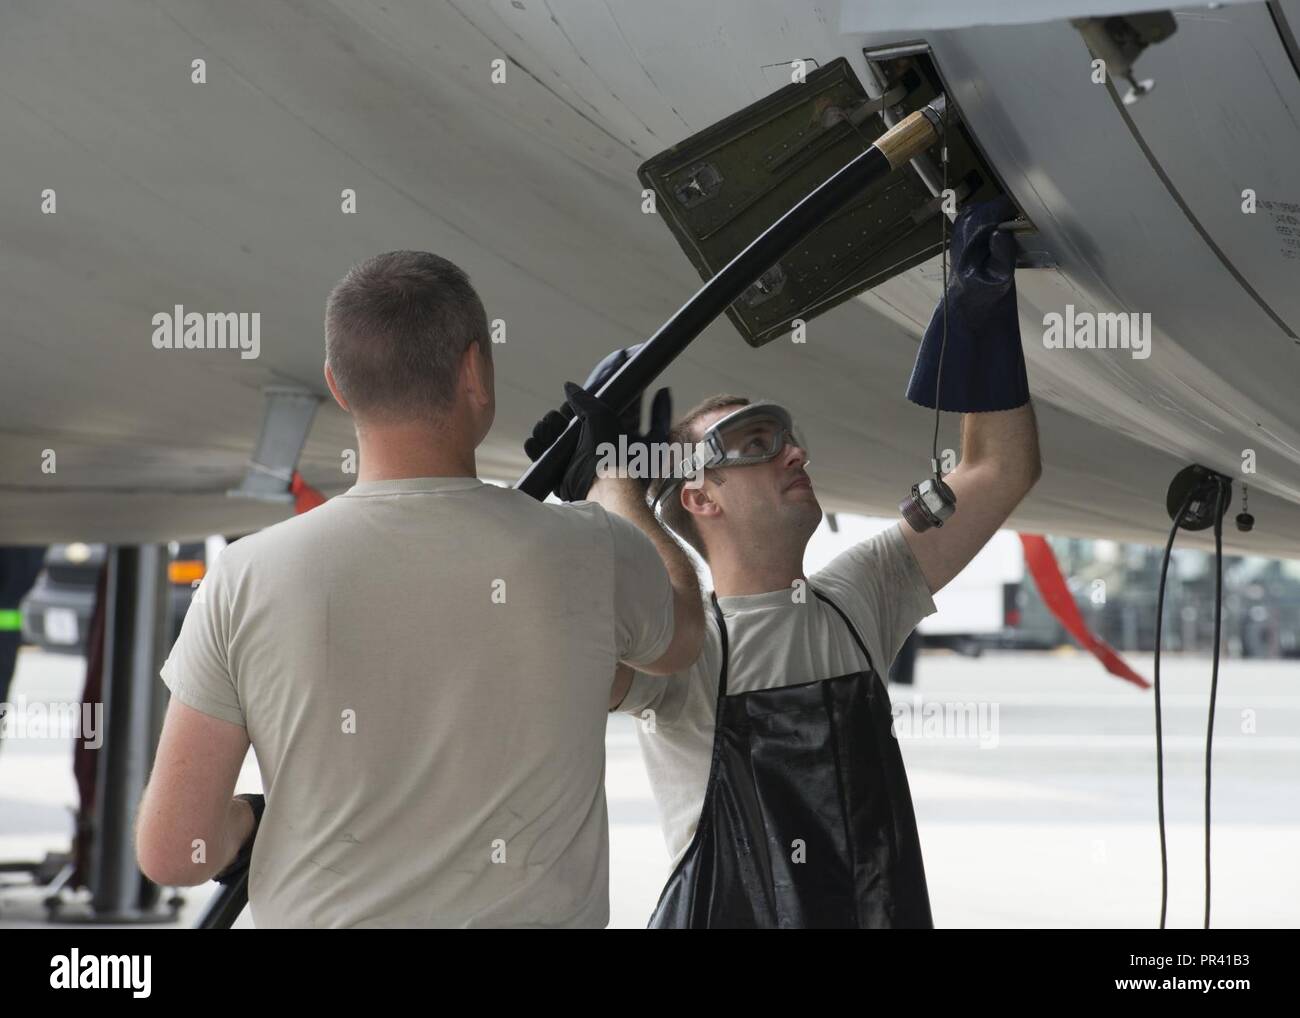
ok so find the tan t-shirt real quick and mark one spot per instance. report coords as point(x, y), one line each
point(423, 667)
point(775, 639)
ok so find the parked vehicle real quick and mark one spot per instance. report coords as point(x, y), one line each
point(57, 610)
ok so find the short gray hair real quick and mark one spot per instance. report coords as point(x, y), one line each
point(396, 327)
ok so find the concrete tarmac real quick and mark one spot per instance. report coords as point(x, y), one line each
point(1033, 776)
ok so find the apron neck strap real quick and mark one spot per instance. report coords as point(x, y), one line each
point(726, 650)
point(853, 630)
point(726, 654)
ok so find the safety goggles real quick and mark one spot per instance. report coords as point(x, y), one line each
point(753, 434)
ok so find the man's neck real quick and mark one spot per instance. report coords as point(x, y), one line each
point(737, 574)
point(391, 452)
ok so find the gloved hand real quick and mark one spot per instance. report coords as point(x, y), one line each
point(599, 425)
point(629, 422)
point(238, 866)
point(983, 363)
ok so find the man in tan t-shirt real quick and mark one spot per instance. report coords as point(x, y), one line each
point(422, 664)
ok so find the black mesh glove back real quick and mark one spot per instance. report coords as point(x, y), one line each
point(600, 425)
point(629, 421)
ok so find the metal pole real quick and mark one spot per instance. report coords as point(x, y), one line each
point(135, 635)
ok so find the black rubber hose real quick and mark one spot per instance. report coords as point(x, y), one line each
point(711, 300)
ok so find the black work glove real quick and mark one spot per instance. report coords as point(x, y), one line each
point(239, 865)
point(599, 425)
point(983, 362)
point(629, 421)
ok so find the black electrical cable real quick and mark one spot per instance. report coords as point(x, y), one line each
point(1221, 490)
point(1160, 751)
point(1219, 508)
point(943, 246)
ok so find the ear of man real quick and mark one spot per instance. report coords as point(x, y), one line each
point(334, 388)
point(476, 374)
point(698, 502)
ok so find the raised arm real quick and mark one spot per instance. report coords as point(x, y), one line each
point(999, 464)
point(971, 362)
point(626, 498)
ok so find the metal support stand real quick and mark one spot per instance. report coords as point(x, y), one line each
point(135, 646)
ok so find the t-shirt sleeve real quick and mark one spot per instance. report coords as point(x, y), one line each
point(197, 671)
point(881, 585)
point(682, 698)
point(645, 693)
point(643, 595)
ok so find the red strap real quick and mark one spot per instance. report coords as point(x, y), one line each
point(305, 497)
point(1042, 565)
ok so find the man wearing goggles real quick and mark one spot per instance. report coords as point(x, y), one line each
point(780, 785)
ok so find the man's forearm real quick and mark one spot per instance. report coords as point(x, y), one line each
point(236, 825)
point(999, 465)
point(1006, 440)
point(627, 498)
point(173, 862)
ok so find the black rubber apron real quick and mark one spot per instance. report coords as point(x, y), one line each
point(807, 818)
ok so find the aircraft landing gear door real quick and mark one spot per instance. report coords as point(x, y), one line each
point(719, 189)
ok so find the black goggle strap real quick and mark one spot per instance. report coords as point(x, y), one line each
point(706, 455)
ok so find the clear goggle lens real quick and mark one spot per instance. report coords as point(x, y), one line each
point(757, 441)
point(755, 434)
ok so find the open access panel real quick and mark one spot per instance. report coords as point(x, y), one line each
point(719, 189)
